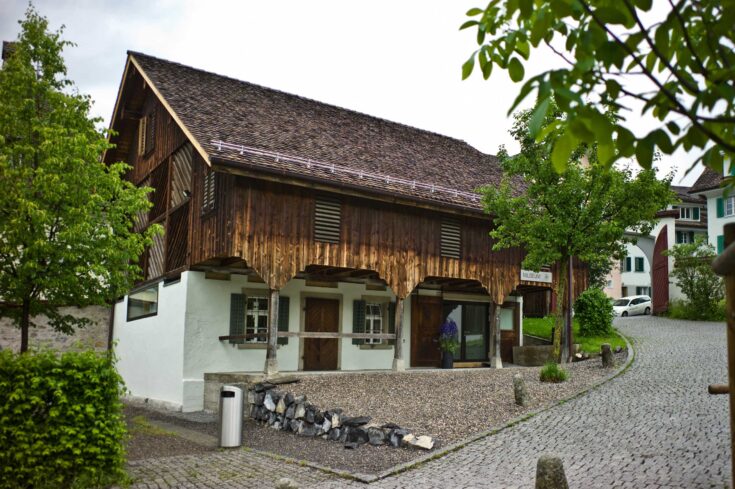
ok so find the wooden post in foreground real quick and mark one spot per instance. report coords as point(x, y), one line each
point(271, 360)
point(724, 265)
point(398, 364)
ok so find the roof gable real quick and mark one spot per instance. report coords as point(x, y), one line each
point(347, 147)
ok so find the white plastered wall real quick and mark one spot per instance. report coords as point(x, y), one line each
point(150, 350)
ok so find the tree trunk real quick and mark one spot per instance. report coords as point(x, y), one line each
point(561, 311)
point(25, 322)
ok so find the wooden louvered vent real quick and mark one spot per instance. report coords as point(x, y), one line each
point(327, 220)
point(451, 239)
point(209, 192)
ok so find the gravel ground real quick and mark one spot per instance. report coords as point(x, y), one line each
point(448, 405)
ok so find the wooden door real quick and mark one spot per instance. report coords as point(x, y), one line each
point(426, 320)
point(322, 315)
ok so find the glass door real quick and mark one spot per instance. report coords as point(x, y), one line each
point(471, 319)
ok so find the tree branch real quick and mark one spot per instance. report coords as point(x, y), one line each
point(682, 110)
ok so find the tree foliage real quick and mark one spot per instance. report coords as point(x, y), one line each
point(66, 235)
point(695, 277)
point(582, 211)
point(686, 58)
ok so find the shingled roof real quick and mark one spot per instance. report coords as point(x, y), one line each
point(684, 195)
point(272, 130)
point(708, 180)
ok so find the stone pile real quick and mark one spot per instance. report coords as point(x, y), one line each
point(286, 412)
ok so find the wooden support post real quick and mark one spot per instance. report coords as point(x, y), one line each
point(398, 364)
point(495, 360)
point(730, 297)
point(271, 360)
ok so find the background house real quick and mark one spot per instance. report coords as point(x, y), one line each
point(678, 223)
point(720, 208)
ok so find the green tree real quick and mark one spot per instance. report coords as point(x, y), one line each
point(685, 57)
point(581, 211)
point(695, 277)
point(66, 235)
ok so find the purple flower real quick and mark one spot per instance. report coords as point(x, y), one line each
point(448, 329)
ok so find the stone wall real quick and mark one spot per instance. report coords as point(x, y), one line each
point(286, 412)
point(93, 336)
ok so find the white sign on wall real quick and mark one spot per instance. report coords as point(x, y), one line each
point(532, 276)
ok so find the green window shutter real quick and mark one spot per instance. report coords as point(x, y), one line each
point(628, 266)
point(695, 213)
point(237, 316)
point(678, 237)
point(720, 244)
point(638, 264)
point(358, 320)
point(720, 207)
point(283, 310)
point(391, 321)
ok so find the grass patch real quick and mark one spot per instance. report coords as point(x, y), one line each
point(552, 372)
point(541, 327)
point(141, 425)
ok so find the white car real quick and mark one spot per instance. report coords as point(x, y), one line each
point(632, 305)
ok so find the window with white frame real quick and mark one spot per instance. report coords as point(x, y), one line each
point(256, 318)
point(689, 213)
point(730, 206)
point(373, 321)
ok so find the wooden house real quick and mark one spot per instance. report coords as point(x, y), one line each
point(301, 236)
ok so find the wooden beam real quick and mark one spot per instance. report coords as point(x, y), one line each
point(398, 363)
point(494, 354)
point(309, 334)
point(271, 361)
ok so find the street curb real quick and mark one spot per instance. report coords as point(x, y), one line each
point(404, 467)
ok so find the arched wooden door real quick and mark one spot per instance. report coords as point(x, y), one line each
point(660, 273)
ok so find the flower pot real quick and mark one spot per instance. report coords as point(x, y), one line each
point(447, 360)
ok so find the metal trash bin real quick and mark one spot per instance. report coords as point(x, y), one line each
point(230, 416)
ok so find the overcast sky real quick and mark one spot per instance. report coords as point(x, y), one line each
point(399, 60)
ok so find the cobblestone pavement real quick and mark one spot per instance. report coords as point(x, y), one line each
point(655, 426)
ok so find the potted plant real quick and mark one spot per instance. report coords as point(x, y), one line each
point(448, 342)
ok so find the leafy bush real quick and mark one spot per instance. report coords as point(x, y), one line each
point(61, 421)
point(696, 279)
point(552, 372)
point(594, 311)
point(684, 310)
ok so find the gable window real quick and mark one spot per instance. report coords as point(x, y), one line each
point(689, 213)
point(373, 321)
point(639, 264)
point(146, 134)
point(327, 220)
point(451, 239)
point(143, 303)
point(208, 192)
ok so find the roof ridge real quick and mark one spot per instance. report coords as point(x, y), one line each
point(301, 97)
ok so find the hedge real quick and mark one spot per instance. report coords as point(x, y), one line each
point(61, 421)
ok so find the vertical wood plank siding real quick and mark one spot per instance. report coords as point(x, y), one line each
point(270, 226)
